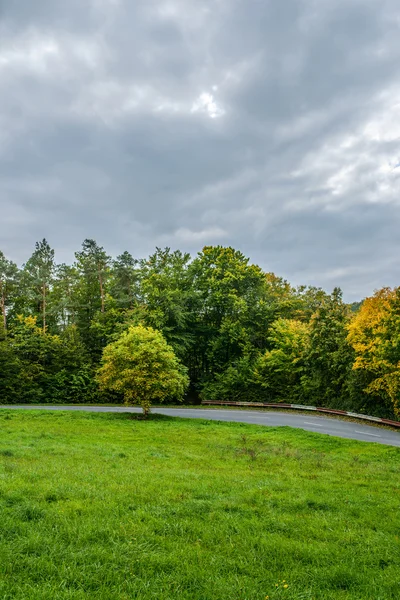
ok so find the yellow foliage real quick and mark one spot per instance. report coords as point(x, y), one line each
point(367, 326)
point(370, 335)
point(29, 322)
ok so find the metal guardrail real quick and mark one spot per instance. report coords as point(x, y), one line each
point(343, 413)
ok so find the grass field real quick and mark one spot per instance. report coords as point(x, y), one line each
point(103, 506)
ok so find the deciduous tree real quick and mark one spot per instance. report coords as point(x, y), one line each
point(279, 370)
point(143, 368)
point(329, 356)
point(374, 334)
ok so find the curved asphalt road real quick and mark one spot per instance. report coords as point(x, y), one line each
point(336, 427)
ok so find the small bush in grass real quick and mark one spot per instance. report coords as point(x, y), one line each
point(143, 368)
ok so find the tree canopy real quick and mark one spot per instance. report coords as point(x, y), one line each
point(240, 332)
point(142, 367)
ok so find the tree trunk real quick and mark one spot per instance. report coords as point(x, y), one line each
point(146, 408)
point(70, 312)
point(101, 289)
point(44, 307)
point(3, 312)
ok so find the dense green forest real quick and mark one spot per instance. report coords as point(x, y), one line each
point(242, 333)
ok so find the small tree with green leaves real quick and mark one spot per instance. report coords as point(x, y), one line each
point(142, 367)
point(278, 372)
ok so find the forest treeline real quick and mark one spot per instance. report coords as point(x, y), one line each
point(242, 333)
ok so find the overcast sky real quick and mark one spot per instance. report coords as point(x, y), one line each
point(273, 127)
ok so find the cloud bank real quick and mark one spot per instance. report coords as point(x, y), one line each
point(272, 127)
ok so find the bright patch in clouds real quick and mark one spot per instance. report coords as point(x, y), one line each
point(206, 103)
point(32, 53)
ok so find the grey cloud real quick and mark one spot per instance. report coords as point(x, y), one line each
point(268, 126)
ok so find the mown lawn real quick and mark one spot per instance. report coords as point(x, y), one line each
point(103, 506)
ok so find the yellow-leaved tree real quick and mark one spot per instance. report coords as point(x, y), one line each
point(374, 334)
point(143, 368)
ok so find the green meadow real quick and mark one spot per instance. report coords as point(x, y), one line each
point(110, 507)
